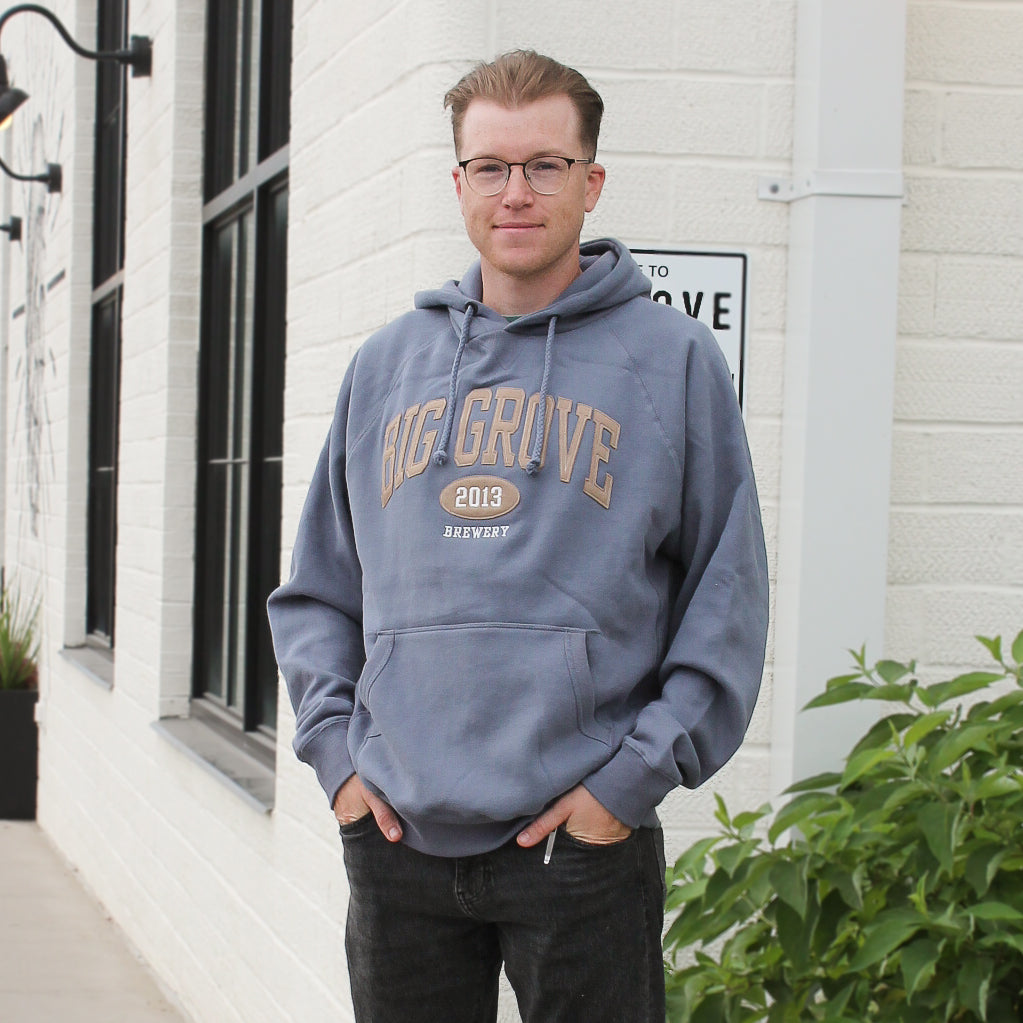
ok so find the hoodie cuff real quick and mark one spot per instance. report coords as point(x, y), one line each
point(628, 787)
point(327, 753)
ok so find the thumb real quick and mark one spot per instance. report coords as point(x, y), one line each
point(547, 822)
point(386, 818)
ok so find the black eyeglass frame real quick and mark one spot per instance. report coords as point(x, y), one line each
point(463, 164)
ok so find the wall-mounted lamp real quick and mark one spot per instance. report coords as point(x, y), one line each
point(139, 55)
point(52, 177)
point(13, 228)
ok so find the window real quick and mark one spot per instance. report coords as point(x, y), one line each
point(105, 361)
point(245, 219)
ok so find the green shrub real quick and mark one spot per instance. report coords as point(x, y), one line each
point(890, 891)
point(19, 640)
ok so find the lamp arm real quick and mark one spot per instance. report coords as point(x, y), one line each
point(52, 176)
point(64, 34)
point(20, 177)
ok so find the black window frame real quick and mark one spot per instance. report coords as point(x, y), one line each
point(241, 367)
point(105, 332)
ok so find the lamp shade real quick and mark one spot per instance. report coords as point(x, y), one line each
point(10, 100)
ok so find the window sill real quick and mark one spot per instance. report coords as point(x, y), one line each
point(245, 775)
point(95, 663)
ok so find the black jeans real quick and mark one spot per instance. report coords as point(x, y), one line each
point(580, 937)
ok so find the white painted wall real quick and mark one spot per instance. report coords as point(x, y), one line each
point(241, 913)
point(955, 566)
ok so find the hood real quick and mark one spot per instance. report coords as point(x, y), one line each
point(610, 277)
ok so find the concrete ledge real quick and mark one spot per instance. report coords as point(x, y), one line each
point(245, 775)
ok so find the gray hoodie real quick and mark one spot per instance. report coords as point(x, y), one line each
point(531, 556)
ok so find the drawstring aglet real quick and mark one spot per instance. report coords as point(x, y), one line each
point(550, 848)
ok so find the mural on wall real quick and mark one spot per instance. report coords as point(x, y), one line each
point(34, 366)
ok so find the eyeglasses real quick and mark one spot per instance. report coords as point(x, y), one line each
point(546, 175)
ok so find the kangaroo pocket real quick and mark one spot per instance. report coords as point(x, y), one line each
point(472, 723)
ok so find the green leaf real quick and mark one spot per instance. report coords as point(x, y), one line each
point(961, 685)
point(731, 856)
point(1017, 649)
point(841, 694)
point(694, 858)
point(891, 671)
point(789, 881)
point(973, 981)
point(993, 646)
point(994, 911)
point(860, 763)
point(918, 962)
point(937, 822)
point(828, 780)
point(799, 809)
point(982, 865)
point(951, 747)
point(923, 726)
point(884, 937)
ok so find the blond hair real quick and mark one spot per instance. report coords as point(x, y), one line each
point(524, 76)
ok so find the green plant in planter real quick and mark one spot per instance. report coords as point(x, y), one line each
point(890, 891)
point(19, 640)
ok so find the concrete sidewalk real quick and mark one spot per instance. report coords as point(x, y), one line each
point(62, 960)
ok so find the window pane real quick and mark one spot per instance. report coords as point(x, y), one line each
point(108, 205)
point(102, 507)
point(276, 94)
point(232, 88)
point(272, 319)
point(224, 569)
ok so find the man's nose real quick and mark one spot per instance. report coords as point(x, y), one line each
point(517, 190)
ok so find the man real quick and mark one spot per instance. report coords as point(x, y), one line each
point(528, 595)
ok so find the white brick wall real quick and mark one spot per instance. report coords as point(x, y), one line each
point(956, 545)
point(242, 913)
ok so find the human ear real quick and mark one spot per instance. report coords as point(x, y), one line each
point(594, 184)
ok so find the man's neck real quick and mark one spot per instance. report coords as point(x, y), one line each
point(516, 296)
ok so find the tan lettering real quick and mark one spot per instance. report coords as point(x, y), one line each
point(567, 453)
point(526, 446)
point(502, 427)
point(418, 462)
point(481, 395)
point(390, 438)
point(602, 424)
point(399, 467)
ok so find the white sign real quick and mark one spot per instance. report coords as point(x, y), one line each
point(711, 287)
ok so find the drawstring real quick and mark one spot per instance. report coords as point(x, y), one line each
point(441, 455)
point(533, 465)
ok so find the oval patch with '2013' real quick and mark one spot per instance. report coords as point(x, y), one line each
point(479, 497)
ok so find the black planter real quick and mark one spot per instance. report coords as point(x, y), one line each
point(19, 749)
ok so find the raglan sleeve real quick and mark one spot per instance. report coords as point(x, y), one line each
point(711, 672)
point(316, 615)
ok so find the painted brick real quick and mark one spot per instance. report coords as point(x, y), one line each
point(978, 298)
point(956, 548)
point(938, 625)
point(718, 205)
point(921, 132)
point(982, 216)
point(959, 383)
point(957, 466)
point(680, 116)
point(984, 130)
point(964, 42)
point(917, 293)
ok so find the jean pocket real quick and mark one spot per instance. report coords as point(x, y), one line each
point(359, 826)
point(594, 847)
